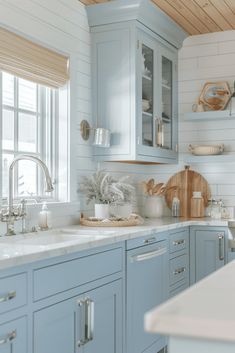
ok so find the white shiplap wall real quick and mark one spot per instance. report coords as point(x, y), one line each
point(61, 25)
point(203, 58)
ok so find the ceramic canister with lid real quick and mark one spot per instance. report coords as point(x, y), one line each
point(197, 205)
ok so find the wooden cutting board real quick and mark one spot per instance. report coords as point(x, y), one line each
point(187, 181)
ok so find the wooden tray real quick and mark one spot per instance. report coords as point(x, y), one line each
point(111, 223)
point(186, 182)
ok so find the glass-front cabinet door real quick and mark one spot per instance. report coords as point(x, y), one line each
point(157, 135)
point(165, 121)
point(167, 124)
point(148, 58)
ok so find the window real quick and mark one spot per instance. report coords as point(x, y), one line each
point(27, 112)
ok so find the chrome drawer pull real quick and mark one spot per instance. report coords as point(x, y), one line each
point(150, 240)
point(8, 338)
point(221, 246)
point(179, 242)
point(87, 321)
point(8, 296)
point(148, 255)
point(179, 270)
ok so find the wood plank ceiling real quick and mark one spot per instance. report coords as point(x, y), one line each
point(196, 16)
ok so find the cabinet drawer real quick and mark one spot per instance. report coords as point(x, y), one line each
point(178, 289)
point(50, 280)
point(179, 241)
point(13, 292)
point(178, 269)
point(13, 336)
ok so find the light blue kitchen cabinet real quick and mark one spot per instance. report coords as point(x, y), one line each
point(179, 261)
point(134, 73)
point(13, 336)
point(90, 322)
point(208, 251)
point(146, 287)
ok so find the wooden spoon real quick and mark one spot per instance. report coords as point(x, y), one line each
point(157, 188)
point(150, 185)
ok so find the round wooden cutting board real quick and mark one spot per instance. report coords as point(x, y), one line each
point(186, 182)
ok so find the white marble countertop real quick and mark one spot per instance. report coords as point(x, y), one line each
point(22, 249)
point(204, 311)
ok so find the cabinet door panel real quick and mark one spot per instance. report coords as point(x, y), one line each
point(107, 325)
point(13, 337)
point(209, 252)
point(169, 103)
point(146, 288)
point(54, 328)
point(112, 106)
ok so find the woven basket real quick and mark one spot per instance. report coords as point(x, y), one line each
point(132, 221)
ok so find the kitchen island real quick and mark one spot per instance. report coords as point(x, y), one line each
point(200, 319)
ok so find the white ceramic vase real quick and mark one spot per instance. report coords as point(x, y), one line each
point(153, 207)
point(102, 210)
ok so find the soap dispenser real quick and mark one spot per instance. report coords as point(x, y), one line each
point(44, 220)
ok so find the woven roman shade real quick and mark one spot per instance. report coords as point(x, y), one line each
point(30, 61)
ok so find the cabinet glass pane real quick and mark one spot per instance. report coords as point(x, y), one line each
point(147, 95)
point(166, 126)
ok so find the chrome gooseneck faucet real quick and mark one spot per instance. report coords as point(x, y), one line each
point(11, 216)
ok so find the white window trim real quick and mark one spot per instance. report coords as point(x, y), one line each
point(60, 179)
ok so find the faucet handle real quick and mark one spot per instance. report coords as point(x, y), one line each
point(22, 208)
point(4, 214)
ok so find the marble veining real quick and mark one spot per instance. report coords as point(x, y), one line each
point(204, 311)
point(22, 249)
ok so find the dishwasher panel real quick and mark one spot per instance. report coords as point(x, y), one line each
point(147, 276)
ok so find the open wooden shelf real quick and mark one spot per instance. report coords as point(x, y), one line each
point(221, 158)
point(210, 115)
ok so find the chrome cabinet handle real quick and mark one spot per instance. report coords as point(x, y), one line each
point(81, 305)
point(89, 322)
point(8, 296)
point(87, 319)
point(8, 338)
point(179, 270)
point(149, 240)
point(221, 246)
point(179, 242)
point(148, 255)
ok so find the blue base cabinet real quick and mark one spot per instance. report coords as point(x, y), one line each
point(13, 336)
point(208, 251)
point(146, 288)
point(89, 323)
point(179, 261)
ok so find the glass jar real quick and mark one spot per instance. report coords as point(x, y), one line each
point(215, 210)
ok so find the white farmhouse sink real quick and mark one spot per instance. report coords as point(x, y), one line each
point(49, 238)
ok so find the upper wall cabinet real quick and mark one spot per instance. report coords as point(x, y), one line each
point(134, 60)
